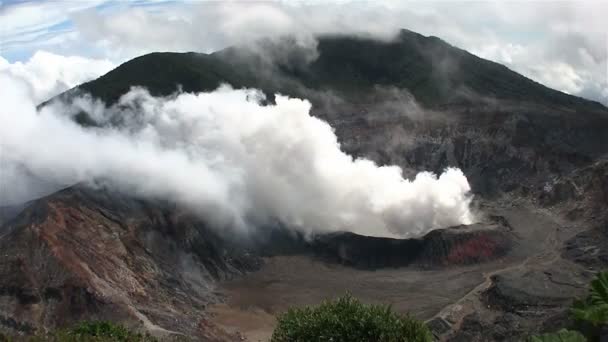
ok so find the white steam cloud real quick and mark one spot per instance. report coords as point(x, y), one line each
point(44, 75)
point(235, 162)
point(47, 74)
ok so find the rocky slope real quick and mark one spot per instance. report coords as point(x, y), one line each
point(95, 254)
point(534, 295)
point(86, 253)
point(583, 197)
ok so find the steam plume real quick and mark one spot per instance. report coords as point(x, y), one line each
point(235, 162)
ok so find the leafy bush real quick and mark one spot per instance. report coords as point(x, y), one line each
point(591, 314)
point(560, 336)
point(94, 332)
point(348, 320)
point(594, 309)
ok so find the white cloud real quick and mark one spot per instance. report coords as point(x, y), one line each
point(47, 74)
point(43, 76)
point(562, 75)
point(230, 159)
point(30, 21)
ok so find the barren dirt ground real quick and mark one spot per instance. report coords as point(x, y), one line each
point(253, 301)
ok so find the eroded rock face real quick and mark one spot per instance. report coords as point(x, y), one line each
point(92, 254)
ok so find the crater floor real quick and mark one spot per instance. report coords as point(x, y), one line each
point(448, 294)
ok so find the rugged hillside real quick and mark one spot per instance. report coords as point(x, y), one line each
point(9, 212)
point(94, 254)
point(583, 196)
point(87, 253)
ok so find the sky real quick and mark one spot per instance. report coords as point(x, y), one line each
point(563, 45)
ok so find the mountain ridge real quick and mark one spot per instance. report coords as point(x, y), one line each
point(410, 61)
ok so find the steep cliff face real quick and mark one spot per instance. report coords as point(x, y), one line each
point(92, 254)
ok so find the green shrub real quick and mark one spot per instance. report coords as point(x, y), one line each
point(591, 313)
point(594, 308)
point(560, 336)
point(94, 332)
point(348, 320)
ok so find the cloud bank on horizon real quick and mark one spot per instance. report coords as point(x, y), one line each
point(563, 45)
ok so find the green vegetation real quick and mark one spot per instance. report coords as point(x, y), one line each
point(89, 332)
point(594, 308)
point(560, 336)
point(347, 319)
point(591, 313)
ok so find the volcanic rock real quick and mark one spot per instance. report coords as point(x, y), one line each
point(443, 247)
point(96, 254)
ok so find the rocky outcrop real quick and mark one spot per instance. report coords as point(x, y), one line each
point(444, 247)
